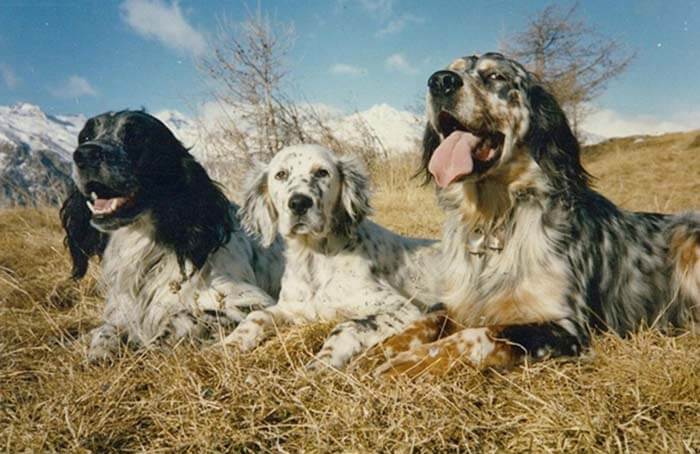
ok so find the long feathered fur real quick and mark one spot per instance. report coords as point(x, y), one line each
point(178, 264)
point(344, 266)
point(533, 259)
point(82, 240)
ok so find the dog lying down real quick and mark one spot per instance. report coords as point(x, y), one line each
point(175, 262)
point(339, 265)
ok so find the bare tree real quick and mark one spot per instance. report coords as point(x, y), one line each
point(250, 79)
point(248, 69)
point(570, 57)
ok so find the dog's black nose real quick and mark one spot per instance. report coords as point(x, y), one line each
point(86, 154)
point(444, 83)
point(300, 204)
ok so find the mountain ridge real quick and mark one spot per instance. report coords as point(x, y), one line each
point(36, 148)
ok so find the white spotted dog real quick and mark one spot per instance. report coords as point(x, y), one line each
point(534, 260)
point(338, 264)
point(175, 262)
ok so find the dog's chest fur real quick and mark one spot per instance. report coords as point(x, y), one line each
point(342, 278)
point(519, 280)
point(138, 277)
point(560, 258)
point(145, 288)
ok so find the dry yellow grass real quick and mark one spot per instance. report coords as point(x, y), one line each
point(649, 173)
point(640, 394)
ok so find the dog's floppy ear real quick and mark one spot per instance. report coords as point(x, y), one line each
point(354, 191)
point(552, 143)
point(258, 216)
point(82, 239)
point(196, 218)
point(431, 140)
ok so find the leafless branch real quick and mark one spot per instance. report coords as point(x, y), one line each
point(570, 57)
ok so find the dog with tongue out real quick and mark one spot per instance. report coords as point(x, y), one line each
point(455, 157)
point(534, 260)
point(175, 262)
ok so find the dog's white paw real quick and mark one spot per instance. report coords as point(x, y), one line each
point(239, 340)
point(104, 344)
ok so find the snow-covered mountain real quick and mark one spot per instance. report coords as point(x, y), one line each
point(28, 124)
point(32, 176)
point(35, 148)
point(398, 130)
point(589, 138)
point(186, 129)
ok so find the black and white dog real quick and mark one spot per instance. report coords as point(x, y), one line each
point(339, 264)
point(175, 262)
point(533, 258)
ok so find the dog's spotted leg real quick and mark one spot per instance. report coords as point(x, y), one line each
point(236, 299)
point(499, 347)
point(225, 304)
point(429, 328)
point(354, 336)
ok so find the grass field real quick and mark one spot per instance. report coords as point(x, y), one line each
point(640, 394)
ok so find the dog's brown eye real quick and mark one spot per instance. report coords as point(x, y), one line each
point(321, 173)
point(495, 76)
point(281, 175)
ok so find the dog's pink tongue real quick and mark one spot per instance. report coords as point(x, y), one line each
point(453, 158)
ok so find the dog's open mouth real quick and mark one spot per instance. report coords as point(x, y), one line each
point(105, 202)
point(463, 152)
point(300, 228)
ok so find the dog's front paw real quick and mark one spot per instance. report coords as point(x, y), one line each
point(104, 344)
point(102, 352)
point(319, 364)
point(241, 340)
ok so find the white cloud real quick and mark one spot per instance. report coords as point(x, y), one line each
point(398, 23)
point(385, 13)
point(344, 69)
point(609, 123)
point(8, 76)
point(74, 87)
point(164, 22)
point(397, 62)
point(379, 8)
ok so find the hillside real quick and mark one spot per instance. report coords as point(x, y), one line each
point(33, 144)
point(656, 173)
point(640, 394)
point(32, 177)
point(25, 123)
point(35, 147)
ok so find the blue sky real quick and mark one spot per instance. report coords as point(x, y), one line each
point(71, 56)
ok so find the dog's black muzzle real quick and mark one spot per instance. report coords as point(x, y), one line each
point(444, 83)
